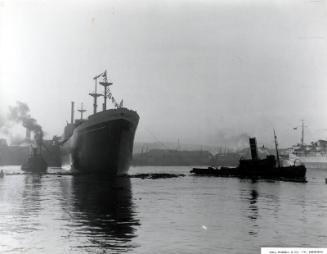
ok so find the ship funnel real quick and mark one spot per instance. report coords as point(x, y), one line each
point(254, 149)
point(72, 113)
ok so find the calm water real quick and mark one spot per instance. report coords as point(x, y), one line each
point(83, 214)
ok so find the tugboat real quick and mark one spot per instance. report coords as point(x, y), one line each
point(35, 163)
point(268, 168)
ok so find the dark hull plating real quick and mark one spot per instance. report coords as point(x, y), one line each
point(291, 172)
point(105, 145)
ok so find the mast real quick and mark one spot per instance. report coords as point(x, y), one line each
point(72, 113)
point(276, 147)
point(302, 133)
point(105, 85)
point(106, 94)
point(82, 111)
point(95, 95)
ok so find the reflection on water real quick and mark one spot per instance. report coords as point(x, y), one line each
point(253, 205)
point(250, 194)
point(31, 201)
point(30, 204)
point(253, 212)
point(83, 214)
point(102, 210)
point(66, 214)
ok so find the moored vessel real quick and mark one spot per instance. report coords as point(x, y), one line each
point(313, 155)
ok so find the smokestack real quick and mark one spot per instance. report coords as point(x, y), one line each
point(254, 149)
point(72, 113)
point(28, 134)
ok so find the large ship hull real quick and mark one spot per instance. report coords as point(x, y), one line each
point(104, 142)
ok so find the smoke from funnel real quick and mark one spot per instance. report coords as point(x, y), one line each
point(20, 114)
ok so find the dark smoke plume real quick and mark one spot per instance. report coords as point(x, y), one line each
point(20, 114)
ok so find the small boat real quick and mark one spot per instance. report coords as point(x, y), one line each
point(35, 163)
point(255, 167)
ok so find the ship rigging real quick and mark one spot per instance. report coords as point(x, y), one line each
point(106, 93)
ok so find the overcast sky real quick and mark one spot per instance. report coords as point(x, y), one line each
point(196, 71)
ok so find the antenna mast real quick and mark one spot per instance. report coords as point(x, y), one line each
point(105, 84)
point(95, 95)
point(276, 147)
point(82, 111)
point(302, 134)
point(72, 113)
point(106, 94)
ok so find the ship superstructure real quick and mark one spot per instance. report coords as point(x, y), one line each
point(313, 154)
point(102, 143)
